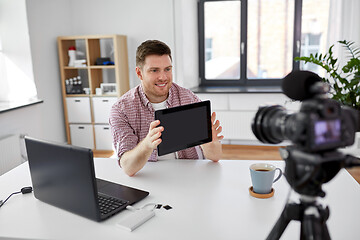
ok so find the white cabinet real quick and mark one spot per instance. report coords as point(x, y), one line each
point(103, 138)
point(101, 107)
point(81, 112)
point(78, 109)
point(82, 135)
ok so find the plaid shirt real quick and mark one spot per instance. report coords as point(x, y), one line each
point(131, 115)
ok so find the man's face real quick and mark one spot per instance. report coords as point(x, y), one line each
point(156, 77)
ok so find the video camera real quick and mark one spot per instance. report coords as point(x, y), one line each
point(320, 127)
point(321, 124)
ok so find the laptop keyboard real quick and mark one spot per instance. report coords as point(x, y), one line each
point(109, 204)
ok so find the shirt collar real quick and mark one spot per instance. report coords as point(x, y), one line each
point(143, 97)
point(171, 96)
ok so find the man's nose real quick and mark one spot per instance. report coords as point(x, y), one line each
point(162, 75)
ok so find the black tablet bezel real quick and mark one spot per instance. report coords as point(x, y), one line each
point(182, 146)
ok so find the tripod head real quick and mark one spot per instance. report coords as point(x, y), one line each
point(307, 172)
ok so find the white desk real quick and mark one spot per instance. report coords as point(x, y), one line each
point(209, 200)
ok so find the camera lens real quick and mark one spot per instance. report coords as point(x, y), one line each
point(268, 124)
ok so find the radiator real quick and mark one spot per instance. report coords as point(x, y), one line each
point(236, 124)
point(10, 153)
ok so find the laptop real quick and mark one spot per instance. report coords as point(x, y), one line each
point(64, 176)
point(184, 126)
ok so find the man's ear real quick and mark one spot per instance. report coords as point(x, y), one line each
point(139, 73)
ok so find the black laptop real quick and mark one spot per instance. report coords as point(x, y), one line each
point(64, 176)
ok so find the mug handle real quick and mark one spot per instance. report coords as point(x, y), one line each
point(280, 174)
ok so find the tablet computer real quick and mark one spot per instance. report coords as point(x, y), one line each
point(184, 126)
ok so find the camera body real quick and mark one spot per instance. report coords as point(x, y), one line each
point(322, 124)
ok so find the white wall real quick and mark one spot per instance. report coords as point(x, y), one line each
point(26, 120)
point(140, 20)
point(47, 19)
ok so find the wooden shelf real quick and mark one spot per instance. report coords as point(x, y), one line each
point(74, 68)
point(92, 76)
point(102, 67)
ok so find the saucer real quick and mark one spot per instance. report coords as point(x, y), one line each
point(259, 195)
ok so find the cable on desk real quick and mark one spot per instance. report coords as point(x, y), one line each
point(131, 208)
point(23, 191)
point(155, 206)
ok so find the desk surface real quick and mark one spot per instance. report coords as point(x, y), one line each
point(209, 200)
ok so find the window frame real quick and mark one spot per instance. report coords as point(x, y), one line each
point(243, 81)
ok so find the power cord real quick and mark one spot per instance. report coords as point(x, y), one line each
point(24, 190)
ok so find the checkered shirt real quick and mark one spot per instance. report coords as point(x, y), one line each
point(131, 115)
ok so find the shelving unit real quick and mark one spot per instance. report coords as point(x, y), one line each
point(86, 115)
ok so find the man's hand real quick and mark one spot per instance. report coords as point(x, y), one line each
point(216, 129)
point(213, 149)
point(134, 160)
point(152, 139)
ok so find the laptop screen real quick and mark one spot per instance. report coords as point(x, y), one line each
point(184, 126)
point(64, 176)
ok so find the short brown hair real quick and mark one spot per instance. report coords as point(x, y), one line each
point(151, 47)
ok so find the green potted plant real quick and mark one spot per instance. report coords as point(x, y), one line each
point(345, 81)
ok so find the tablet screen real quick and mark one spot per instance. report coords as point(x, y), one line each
point(184, 126)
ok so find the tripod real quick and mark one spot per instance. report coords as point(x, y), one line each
point(306, 172)
point(311, 215)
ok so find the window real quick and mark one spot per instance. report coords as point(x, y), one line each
point(16, 74)
point(314, 28)
point(253, 43)
point(310, 44)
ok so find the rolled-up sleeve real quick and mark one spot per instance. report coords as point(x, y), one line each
point(124, 137)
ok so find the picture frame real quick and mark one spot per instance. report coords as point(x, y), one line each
point(108, 88)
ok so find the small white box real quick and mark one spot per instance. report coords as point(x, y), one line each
point(78, 109)
point(102, 107)
point(82, 135)
point(103, 138)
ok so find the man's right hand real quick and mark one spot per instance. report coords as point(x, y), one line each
point(134, 160)
point(152, 139)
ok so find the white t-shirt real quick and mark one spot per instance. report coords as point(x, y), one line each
point(159, 106)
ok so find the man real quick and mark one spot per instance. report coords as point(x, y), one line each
point(135, 133)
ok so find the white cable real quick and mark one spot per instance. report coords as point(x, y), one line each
point(149, 204)
point(131, 208)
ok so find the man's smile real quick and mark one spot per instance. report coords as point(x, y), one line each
point(161, 84)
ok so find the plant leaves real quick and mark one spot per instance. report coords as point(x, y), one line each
point(345, 80)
